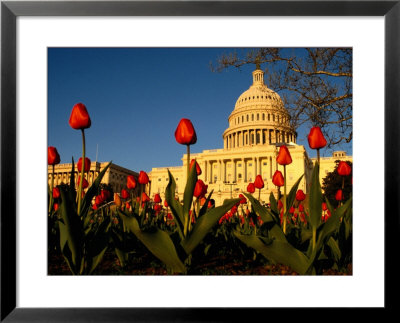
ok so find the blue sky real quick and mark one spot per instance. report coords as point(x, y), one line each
point(136, 97)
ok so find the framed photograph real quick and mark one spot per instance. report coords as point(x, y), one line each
point(44, 47)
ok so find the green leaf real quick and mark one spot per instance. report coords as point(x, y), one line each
point(315, 202)
point(204, 225)
point(262, 211)
point(204, 208)
point(188, 194)
point(157, 242)
point(175, 206)
point(333, 245)
point(92, 192)
point(273, 203)
point(71, 232)
point(292, 195)
point(277, 251)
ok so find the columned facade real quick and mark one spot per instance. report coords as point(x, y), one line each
point(257, 126)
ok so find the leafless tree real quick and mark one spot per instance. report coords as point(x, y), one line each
point(314, 83)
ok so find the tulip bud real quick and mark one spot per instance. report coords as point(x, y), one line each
point(251, 188)
point(284, 157)
point(145, 197)
point(277, 179)
point(157, 198)
point(53, 158)
point(165, 203)
point(343, 169)
point(242, 199)
point(185, 133)
point(124, 193)
point(258, 182)
point(200, 189)
point(316, 139)
point(300, 196)
point(143, 177)
point(198, 169)
point(79, 118)
point(56, 192)
point(85, 183)
point(339, 195)
point(86, 167)
point(130, 182)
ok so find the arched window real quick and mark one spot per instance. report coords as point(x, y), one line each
point(247, 118)
point(263, 116)
point(258, 117)
point(269, 117)
point(252, 117)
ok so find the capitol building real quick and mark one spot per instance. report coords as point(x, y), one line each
point(258, 125)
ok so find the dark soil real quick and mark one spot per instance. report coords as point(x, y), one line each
point(147, 264)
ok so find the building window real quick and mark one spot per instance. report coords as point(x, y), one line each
point(247, 118)
point(258, 117)
point(159, 179)
point(264, 163)
point(263, 116)
point(252, 117)
point(215, 178)
point(166, 179)
point(268, 117)
point(240, 176)
point(239, 165)
point(176, 179)
point(250, 164)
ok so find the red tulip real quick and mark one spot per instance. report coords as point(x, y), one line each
point(316, 139)
point(86, 167)
point(157, 208)
point(79, 118)
point(300, 196)
point(284, 157)
point(127, 205)
point(251, 188)
point(185, 133)
point(143, 178)
point(145, 197)
point(324, 206)
point(242, 199)
point(157, 198)
point(105, 195)
point(165, 203)
point(56, 192)
point(343, 168)
point(301, 208)
point(99, 200)
point(277, 179)
point(53, 158)
point(339, 195)
point(85, 183)
point(258, 182)
point(55, 206)
point(130, 182)
point(291, 210)
point(124, 193)
point(280, 205)
point(198, 169)
point(200, 189)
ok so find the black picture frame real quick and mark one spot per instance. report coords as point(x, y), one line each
point(10, 10)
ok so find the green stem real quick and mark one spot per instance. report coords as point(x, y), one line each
point(188, 161)
point(82, 172)
point(318, 156)
point(284, 199)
